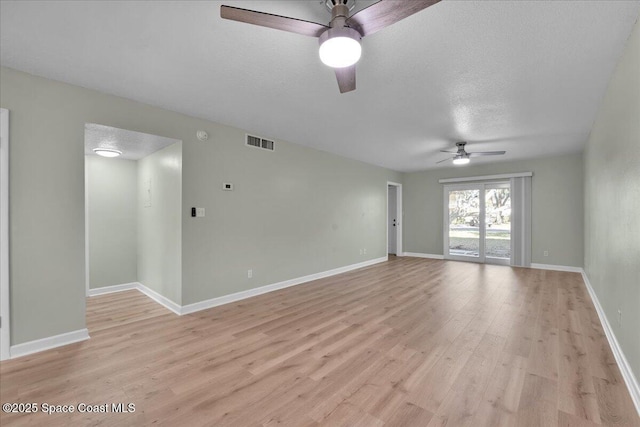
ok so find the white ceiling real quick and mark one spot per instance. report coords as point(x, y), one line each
point(133, 145)
point(521, 76)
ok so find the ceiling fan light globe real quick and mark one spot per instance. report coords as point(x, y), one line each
point(458, 161)
point(340, 52)
point(340, 47)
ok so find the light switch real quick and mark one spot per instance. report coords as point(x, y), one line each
point(199, 212)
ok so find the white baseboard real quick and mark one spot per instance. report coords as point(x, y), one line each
point(420, 255)
point(556, 267)
point(112, 289)
point(48, 343)
point(533, 265)
point(160, 299)
point(83, 334)
point(623, 364)
point(226, 299)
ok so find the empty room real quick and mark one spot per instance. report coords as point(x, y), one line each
point(320, 213)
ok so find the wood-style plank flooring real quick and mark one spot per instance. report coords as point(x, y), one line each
point(410, 342)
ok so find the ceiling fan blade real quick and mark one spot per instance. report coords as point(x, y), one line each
point(487, 153)
point(292, 25)
point(449, 151)
point(444, 160)
point(346, 78)
point(384, 13)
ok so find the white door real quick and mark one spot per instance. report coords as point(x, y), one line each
point(392, 219)
point(5, 337)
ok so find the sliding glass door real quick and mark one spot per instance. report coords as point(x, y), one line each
point(463, 228)
point(478, 223)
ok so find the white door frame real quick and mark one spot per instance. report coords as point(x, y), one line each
point(5, 331)
point(399, 217)
point(482, 258)
point(86, 227)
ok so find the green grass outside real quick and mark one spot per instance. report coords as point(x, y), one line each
point(498, 245)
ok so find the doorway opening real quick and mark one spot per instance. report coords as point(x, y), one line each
point(133, 212)
point(394, 218)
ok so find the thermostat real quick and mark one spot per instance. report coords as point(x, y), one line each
point(227, 186)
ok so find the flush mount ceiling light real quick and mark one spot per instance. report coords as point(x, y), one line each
point(107, 152)
point(340, 47)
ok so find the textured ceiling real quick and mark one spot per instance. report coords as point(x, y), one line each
point(521, 76)
point(133, 145)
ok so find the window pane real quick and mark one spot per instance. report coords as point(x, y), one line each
point(498, 222)
point(464, 223)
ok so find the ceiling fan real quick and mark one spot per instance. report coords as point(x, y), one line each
point(462, 156)
point(340, 39)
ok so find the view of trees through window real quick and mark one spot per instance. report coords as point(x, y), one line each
point(464, 222)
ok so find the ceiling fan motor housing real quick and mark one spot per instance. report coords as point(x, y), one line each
point(339, 32)
point(339, 16)
point(331, 3)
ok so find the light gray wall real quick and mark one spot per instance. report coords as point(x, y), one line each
point(557, 197)
point(160, 222)
point(111, 207)
point(293, 212)
point(46, 207)
point(612, 202)
point(317, 208)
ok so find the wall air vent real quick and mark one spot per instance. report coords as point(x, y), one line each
point(256, 141)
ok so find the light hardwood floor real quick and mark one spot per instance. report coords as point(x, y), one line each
point(410, 342)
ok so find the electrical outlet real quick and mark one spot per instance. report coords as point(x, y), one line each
point(546, 253)
point(200, 212)
point(249, 274)
point(365, 251)
point(619, 317)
